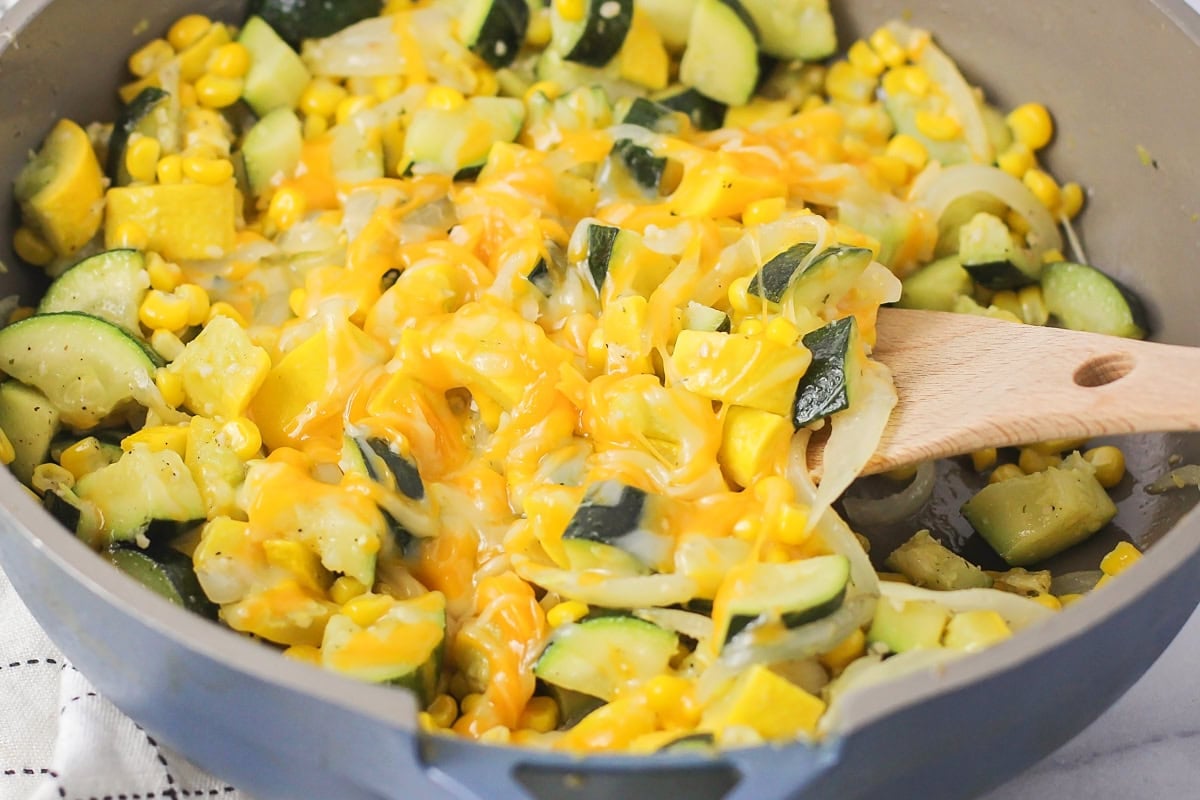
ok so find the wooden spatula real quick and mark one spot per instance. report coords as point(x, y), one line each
point(968, 382)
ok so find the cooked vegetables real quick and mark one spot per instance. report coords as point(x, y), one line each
point(456, 346)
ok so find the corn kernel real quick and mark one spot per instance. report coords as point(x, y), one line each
point(540, 714)
point(130, 235)
point(315, 126)
point(83, 457)
point(141, 158)
point(984, 459)
point(1016, 160)
point(1004, 472)
point(321, 98)
point(849, 84)
point(1032, 125)
point(471, 702)
point(764, 211)
point(365, 609)
point(223, 309)
point(210, 171)
point(1043, 187)
point(565, 612)
point(167, 344)
point(170, 386)
point(1071, 201)
point(752, 326)
point(940, 127)
point(486, 84)
point(845, 651)
point(1033, 305)
point(150, 57)
point(230, 60)
point(671, 698)
point(548, 89)
point(197, 300)
point(571, 10)
point(1067, 599)
point(907, 80)
point(297, 300)
point(187, 30)
point(445, 98)
point(170, 169)
point(1007, 300)
point(164, 275)
point(892, 170)
point(287, 208)
point(8, 454)
point(304, 652)
point(242, 436)
point(32, 248)
point(443, 710)
point(888, 48)
point(1122, 557)
point(353, 105)
point(1016, 223)
point(740, 299)
point(158, 438)
point(539, 31)
point(187, 95)
point(1109, 463)
point(1033, 460)
point(345, 589)
point(216, 91)
point(862, 56)
point(160, 310)
point(1048, 600)
point(781, 331)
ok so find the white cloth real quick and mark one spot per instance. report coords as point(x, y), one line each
point(59, 740)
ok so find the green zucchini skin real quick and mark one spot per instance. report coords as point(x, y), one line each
point(795, 593)
point(1083, 298)
point(109, 285)
point(722, 59)
point(166, 572)
point(540, 277)
point(828, 385)
point(641, 163)
point(137, 117)
point(650, 115)
point(297, 20)
point(495, 29)
point(991, 255)
point(597, 38)
point(609, 511)
point(599, 655)
point(773, 279)
point(601, 239)
point(705, 113)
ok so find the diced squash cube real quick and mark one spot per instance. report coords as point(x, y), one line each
point(770, 704)
point(721, 187)
point(181, 221)
point(221, 370)
point(751, 442)
point(643, 57)
point(740, 370)
point(300, 562)
point(286, 613)
point(621, 338)
point(61, 189)
point(909, 625)
point(215, 467)
point(229, 560)
point(974, 630)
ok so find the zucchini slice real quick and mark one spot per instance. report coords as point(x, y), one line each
point(277, 75)
point(494, 29)
point(936, 286)
point(792, 593)
point(389, 468)
point(145, 493)
point(641, 164)
point(601, 534)
point(1032, 517)
point(650, 115)
point(596, 37)
point(31, 423)
point(697, 317)
point(403, 647)
point(831, 382)
point(271, 149)
point(794, 29)
point(601, 240)
point(297, 20)
point(109, 285)
point(86, 367)
point(772, 280)
point(449, 141)
point(150, 114)
point(991, 255)
point(600, 656)
point(166, 572)
point(541, 278)
point(705, 113)
point(1083, 298)
point(672, 19)
point(721, 60)
point(810, 282)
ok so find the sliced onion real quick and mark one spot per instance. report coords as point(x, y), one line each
point(689, 623)
point(873, 670)
point(1019, 612)
point(936, 188)
point(895, 507)
point(597, 588)
point(1080, 582)
point(1187, 475)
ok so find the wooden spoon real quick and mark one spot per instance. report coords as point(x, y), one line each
point(967, 382)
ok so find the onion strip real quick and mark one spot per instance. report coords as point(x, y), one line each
point(895, 507)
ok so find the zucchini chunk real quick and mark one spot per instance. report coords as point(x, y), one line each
point(494, 29)
point(794, 29)
point(271, 149)
point(166, 572)
point(450, 141)
point(705, 113)
point(792, 593)
point(830, 383)
point(697, 317)
point(389, 468)
point(403, 647)
point(640, 163)
point(652, 116)
point(594, 39)
point(908, 626)
point(599, 535)
point(297, 20)
point(150, 114)
point(540, 277)
point(772, 280)
point(1033, 517)
point(721, 60)
point(145, 493)
point(109, 285)
point(810, 282)
point(927, 562)
point(672, 19)
point(991, 255)
point(1083, 298)
point(936, 286)
point(31, 422)
point(86, 367)
point(601, 241)
point(277, 75)
point(599, 656)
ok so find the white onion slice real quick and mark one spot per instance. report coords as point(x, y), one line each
point(597, 588)
point(1019, 612)
point(689, 623)
point(894, 507)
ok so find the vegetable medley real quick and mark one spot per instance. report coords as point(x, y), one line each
point(475, 347)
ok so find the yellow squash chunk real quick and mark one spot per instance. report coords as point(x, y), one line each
point(181, 222)
point(221, 370)
point(194, 59)
point(215, 467)
point(643, 58)
point(300, 562)
point(285, 613)
point(740, 370)
point(720, 187)
point(61, 190)
point(229, 560)
point(752, 441)
point(772, 705)
point(975, 630)
point(621, 339)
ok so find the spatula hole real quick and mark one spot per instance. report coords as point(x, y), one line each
point(1103, 370)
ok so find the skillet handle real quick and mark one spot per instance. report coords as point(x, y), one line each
point(471, 772)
